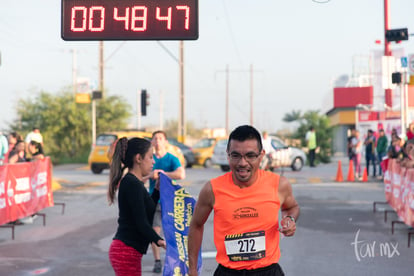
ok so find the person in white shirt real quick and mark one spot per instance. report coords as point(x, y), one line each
point(268, 148)
point(267, 143)
point(34, 135)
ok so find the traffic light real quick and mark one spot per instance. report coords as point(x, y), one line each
point(396, 77)
point(96, 95)
point(396, 34)
point(144, 102)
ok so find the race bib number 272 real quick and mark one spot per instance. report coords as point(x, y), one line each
point(246, 247)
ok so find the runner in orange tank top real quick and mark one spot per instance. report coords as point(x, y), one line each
point(246, 203)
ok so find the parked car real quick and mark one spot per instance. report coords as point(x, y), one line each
point(284, 156)
point(189, 158)
point(220, 155)
point(203, 150)
point(103, 149)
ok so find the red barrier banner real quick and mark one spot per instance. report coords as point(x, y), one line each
point(399, 190)
point(25, 188)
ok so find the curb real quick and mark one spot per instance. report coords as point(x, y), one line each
point(56, 185)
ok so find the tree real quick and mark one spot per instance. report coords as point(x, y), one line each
point(112, 114)
point(171, 129)
point(322, 129)
point(292, 117)
point(66, 125)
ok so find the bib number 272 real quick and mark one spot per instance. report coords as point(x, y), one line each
point(246, 247)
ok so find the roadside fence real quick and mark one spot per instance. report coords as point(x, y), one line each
point(25, 189)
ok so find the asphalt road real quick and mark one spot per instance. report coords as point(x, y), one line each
point(338, 233)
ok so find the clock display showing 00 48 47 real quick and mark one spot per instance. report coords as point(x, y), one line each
point(130, 19)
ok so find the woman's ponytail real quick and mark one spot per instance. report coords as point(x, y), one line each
point(117, 168)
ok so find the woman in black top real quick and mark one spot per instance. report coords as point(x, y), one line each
point(136, 206)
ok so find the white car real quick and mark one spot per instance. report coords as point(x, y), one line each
point(284, 156)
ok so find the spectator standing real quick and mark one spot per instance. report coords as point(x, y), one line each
point(311, 142)
point(169, 165)
point(12, 139)
point(382, 145)
point(136, 206)
point(396, 149)
point(410, 132)
point(4, 148)
point(269, 150)
point(36, 151)
point(350, 148)
point(34, 135)
point(357, 154)
point(18, 153)
point(408, 160)
point(370, 157)
point(267, 143)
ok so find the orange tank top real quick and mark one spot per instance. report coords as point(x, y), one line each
point(246, 221)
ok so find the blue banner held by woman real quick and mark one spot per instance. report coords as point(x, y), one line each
point(177, 207)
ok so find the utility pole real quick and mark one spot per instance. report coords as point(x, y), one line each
point(227, 71)
point(101, 88)
point(101, 68)
point(406, 98)
point(74, 71)
point(181, 105)
point(226, 111)
point(387, 51)
point(402, 117)
point(93, 120)
point(139, 109)
point(161, 110)
point(227, 99)
point(251, 94)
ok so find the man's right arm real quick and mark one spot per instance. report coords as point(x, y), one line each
point(202, 210)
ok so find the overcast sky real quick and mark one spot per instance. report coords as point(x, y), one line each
point(297, 49)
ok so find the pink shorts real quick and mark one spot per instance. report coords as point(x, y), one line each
point(124, 259)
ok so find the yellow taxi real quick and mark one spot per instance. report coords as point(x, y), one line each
point(203, 151)
point(102, 151)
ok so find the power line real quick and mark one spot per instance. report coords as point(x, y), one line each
point(116, 50)
point(236, 49)
point(168, 51)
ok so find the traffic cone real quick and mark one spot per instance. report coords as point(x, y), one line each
point(339, 177)
point(365, 176)
point(351, 176)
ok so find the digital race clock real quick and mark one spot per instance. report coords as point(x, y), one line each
point(130, 19)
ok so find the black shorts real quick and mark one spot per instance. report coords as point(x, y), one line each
point(271, 270)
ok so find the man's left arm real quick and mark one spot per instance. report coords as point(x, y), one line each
point(177, 174)
point(289, 206)
point(178, 171)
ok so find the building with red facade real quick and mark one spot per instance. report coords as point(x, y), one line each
point(356, 107)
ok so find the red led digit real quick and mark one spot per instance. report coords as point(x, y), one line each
point(142, 18)
point(187, 15)
point(92, 10)
point(84, 11)
point(164, 18)
point(122, 18)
